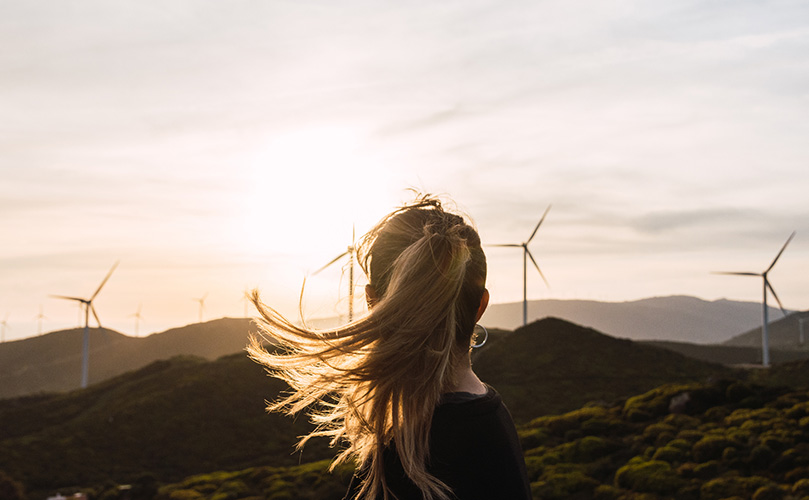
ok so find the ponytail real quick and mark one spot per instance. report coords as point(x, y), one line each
point(377, 380)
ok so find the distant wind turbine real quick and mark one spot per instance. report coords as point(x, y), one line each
point(3, 326)
point(246, 300)
point(137, 317)
point(801, 335)
point(525, 256)
point(765, 334)
point(88, 308)
point(350, 251)
point(39, 317)
point(201, 301)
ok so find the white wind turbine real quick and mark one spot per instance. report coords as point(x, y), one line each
point(201, 301)
point(350, 251)
point(765, 334)
point(3, 326)
point(88, 308)
point(137, 317)
point(39, 317)
point(525, 256)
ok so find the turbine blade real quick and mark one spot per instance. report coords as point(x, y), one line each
point(772, 290)
point(506, 245)
point(538, 224)
point(782, 251)
point(68, 298)
point(331, 262)
point(93, 310)
point(105, 280)
point(537, 266)
point(204, 297)
point(736, 274)
point(353, 234)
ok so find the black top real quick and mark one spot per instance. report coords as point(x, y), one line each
point(474, 449)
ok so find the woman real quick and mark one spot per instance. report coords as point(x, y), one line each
point(396, 389)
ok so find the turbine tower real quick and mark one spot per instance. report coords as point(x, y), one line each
point(137, 317)
point(3, 326)
point(39, 317)
point(350, 251)
point(201, 301)
point(526, 254)
point(88, 307)
point(765, 334)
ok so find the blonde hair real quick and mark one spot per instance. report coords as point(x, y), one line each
point(379, 378)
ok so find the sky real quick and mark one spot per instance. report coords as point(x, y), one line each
point(213, 147)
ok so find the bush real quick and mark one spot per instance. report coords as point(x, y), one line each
point(653, 476)
point(724, 487)
point(710, 447)
point(670, 454)
point(769, 492)
point(562, 482)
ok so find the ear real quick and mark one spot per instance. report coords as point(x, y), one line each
point(484, 302)
point(370, 296)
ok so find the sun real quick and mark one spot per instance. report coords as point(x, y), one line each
point(308, 187)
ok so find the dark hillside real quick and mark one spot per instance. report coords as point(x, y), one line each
point(52, 362)
point(552, 366)
point(731, 354)
point(172, 419)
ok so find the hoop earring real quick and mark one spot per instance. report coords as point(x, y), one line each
point(485, 337)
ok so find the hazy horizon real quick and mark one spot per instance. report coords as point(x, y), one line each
point(216, 147)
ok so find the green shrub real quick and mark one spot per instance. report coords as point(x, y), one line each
point(532, 437)
point(724, 487)
point(670, 454)
point(707, 470)
point(690, 435)
point(534, 466)
point(761, 456)
point(653, 476)
point(185, 495)
point(710, 447)
point(606, 492)
point(562, 482)
point(769, 492)
point(801, 487)
point(586, 449)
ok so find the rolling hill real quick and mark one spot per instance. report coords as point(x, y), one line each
point(52, 362)
point(188, 415)
point(731, 354)
point(676, 318)
point(784, 333)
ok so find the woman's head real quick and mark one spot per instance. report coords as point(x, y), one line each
point(422, 251)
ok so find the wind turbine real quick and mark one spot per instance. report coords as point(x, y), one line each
point(525, 256)
point(4, 325)
point(201, 301)
point(39, 317)
point(801, 336)
point(88, 307)
point(137, 317)
point(246, 301)
point(350, 251)
point(765, 334)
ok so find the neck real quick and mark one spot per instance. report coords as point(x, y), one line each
point(465, 380)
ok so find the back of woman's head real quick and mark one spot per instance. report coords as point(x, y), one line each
point(381, 376)
point(426, 260)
